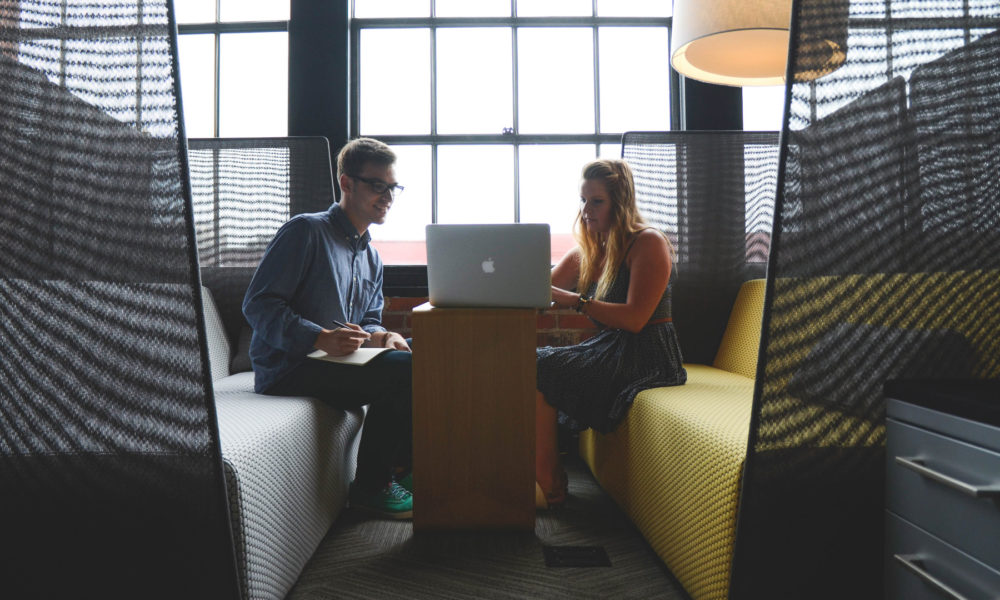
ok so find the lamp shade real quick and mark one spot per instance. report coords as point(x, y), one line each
point(745, 42)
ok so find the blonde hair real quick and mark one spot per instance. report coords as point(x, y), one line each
point(625, 222)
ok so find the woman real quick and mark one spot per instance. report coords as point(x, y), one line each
point(617, 275)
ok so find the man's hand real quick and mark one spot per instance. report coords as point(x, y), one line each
point(395, 341)
point(341, 341)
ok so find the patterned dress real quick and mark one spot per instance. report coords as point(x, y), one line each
point(593, 384)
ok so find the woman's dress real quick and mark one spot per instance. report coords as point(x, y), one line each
point(593, 383)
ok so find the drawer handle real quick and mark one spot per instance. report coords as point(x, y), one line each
point(977, 491)
point(911, 562)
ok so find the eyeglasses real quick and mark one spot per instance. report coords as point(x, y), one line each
point(380, 187)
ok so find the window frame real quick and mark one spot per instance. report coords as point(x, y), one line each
point(218, 29)
point(514, 138)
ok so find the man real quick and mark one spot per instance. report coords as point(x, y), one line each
point(319, 270)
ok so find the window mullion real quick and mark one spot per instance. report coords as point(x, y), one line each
point(217, 73)
point(434, 79)
point(597, 78)
point(517, 182)
point(515, 123)
point(434, 182)
point(217, 85)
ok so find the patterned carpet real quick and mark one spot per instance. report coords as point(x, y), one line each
point(364, 558)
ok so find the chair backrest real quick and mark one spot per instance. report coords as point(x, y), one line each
point(110, 469)
point(219, 348)
point(713, 193)
point(741, 341)
point(243, 190)
point(885, 262)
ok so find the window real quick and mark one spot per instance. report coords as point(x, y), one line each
point(234, 67)
point(494, 106)
point(763, 107)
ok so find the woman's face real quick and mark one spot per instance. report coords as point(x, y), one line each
point(595, 206)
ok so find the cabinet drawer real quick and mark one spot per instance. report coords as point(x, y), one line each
point(932, 567)
point(917, 492)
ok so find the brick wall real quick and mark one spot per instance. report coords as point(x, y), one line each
point(555, 327)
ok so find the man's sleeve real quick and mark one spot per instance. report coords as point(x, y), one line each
point(267, 304)
point(372, 319)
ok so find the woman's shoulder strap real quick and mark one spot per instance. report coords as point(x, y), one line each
point(635, 238)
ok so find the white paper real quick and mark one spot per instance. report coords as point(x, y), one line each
point(360, 356)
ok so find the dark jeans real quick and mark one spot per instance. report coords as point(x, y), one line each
point(385, 386)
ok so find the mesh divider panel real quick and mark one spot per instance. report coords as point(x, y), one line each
point(109, 451)
point(883, 265)
point(713, 193)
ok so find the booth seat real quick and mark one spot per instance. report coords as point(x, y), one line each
point(674, 464)
point(288, 462)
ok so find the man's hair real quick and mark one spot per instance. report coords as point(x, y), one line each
point(353, 157)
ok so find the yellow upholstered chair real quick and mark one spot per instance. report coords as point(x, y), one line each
point(674, 464)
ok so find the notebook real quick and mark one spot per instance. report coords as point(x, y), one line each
point(489, 266)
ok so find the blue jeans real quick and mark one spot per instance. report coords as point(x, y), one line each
point(385, 386)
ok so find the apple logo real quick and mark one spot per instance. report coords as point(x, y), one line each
point(488, 266)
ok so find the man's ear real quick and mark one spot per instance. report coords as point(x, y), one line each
point(345, 183)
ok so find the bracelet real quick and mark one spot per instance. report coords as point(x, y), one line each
point(582, 303)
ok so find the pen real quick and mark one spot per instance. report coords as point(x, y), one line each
point(344, 326)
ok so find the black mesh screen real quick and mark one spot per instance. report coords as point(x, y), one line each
point(109, 454)
point(243, 190)
point(713, 193)
point(884, 265)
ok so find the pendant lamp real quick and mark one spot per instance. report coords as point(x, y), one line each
point(745, 42)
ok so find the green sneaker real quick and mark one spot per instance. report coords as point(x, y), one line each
point(391, 502)
point(407, 482)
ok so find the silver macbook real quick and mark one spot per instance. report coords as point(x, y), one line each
point(497, 266)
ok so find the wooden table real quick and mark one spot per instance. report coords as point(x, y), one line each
point(473, 418)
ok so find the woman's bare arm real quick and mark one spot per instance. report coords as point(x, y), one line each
point(649, 265)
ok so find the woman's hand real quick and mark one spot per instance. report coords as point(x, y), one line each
point(564, 299)
point(341, 341)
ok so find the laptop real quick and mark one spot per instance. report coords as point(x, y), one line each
point(489, 266)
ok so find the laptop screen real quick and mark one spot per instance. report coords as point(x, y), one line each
point(489, 265)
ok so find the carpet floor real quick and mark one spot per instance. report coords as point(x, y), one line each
point(366, 558)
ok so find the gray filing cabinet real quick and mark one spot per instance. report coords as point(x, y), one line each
point(943, 490)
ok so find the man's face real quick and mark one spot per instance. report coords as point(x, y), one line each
point(361, 194)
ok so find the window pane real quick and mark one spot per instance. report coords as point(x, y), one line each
point(475, 184)
point(194, 11)
point(763, 107)
point(550, 189)
point(556, 80)
point(554, 8)
point(611, 151)
point(378, 9)
point(475, 87)
point(400, 241)
point(633, 8)
point(395, 81)
point(196, 54)
point(479, 8)
point(254, 10)
point(635, 94)
point(253, 84)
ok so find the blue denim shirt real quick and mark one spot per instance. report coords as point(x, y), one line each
point(316, 269)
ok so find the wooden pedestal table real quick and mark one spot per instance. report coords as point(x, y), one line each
point(473, 418)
